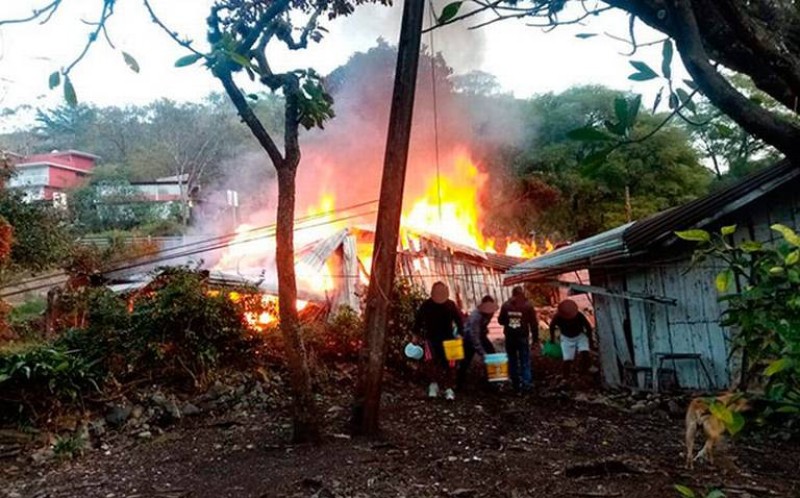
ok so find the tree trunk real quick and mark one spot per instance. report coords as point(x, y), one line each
point(368, 395)
point(306, 418)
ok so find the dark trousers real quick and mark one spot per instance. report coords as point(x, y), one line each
point(518, 350)
point(469, 354)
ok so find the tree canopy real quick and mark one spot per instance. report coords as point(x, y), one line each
point(757, 38)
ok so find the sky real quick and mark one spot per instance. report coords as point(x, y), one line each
point(525, 60)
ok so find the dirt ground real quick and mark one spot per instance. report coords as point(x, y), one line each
point(481, 445)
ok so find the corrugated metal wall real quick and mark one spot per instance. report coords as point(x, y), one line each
point(469, 278)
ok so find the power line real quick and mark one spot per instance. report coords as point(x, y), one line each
point(204, 249)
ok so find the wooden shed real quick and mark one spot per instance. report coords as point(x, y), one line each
point(657, 315)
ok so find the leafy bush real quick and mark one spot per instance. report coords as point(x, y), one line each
point(39, 378)
point(406, 299)
point(181, 327)
point(763, 310)
point(339, 339)
point(69, 446)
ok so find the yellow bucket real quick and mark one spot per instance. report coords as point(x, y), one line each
point(454, 349)
point(497, 367)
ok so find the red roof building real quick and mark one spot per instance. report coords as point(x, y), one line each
point(40, 176)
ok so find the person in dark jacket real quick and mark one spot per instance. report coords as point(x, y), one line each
point(576, 335)
point(438, 319)
point(518, 319)
point(476, 336)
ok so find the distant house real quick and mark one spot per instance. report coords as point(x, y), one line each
point(45, 176)
point(167, 189)
point(658, 316)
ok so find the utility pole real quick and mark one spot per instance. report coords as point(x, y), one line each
point(368, 395)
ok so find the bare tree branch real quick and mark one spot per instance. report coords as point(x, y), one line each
point(187, 44)
point(752, 117)
point(107, 12)
point(47, 11)
point(249, 117)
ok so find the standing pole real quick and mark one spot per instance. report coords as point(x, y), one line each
point(390, 206)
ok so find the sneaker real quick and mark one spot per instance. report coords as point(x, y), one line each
point(449, 395)
point(433, 390)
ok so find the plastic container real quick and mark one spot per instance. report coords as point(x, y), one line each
point(496, 367)
point(414, 352)
point(454, 349)
point(551, 350)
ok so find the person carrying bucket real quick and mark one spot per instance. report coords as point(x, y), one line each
point(476, 336)
point(518, 319)
point(576, 335)
point(434, 323)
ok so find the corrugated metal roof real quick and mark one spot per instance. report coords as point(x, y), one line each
point(574, 256)
point(699, 212)
point(635, 238)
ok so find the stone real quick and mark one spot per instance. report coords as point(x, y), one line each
point(118, 415)
point(137, 412)
point(145, 435)
point(172, 410)
point(190, 410)
point(639, 406)
point(674, 408)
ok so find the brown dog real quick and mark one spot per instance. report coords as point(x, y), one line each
point(699, 415)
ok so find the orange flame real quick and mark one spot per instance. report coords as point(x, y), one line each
point(449, 208)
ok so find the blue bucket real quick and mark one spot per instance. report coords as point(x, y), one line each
point(497, 367)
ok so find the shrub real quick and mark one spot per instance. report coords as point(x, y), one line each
point(338, 339)
point(406, 299)
point(763, 310)
point(179, 326)
point(38, 378)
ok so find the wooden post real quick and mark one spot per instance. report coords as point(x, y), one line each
point(381, 282)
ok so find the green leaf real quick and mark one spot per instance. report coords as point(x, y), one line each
point(750, 246)
point(239, 59)
point(778, 366)
point(188, 60)
point(69, 92)
point(737, 423)
point(666, 59)
point(723, 281)
point(728, 230)
point(686, 99)
point(691, 84)
point(783, 409)
point(721, 412)
point(4, 377)
point(657, 101)
point(584, 36)
point(715, 493)
point(788, 234)
point(633, 109)
point(792, 258)
point(684, 491)
point(673, 100)
point(643, 72)
point(589, 134)
point(594, 160)
point(621, 111)
point(694, 235)
point(131, 62)
point(776, 271)
point(55, 79)
point(450, 11)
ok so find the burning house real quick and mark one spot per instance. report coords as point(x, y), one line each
point(441, 239)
